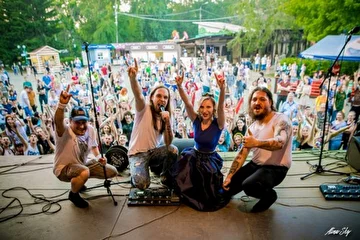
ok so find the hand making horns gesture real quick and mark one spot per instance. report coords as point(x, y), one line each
point(179, 79)
point(65, 95)
point(220, 80)
point(132, 71)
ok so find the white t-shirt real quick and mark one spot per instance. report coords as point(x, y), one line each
point(24, 99)
point(71, 148)
point(281, 157)
point(143, 137)
point(32, 151)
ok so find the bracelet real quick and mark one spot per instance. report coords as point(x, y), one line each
point(61, 105)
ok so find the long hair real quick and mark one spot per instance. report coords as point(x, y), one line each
point(268, 94)
point(7, 124)
point(154, 113)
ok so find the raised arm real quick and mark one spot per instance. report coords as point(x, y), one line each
point(135, 87)
point(282, 133)
point(188, 106)
point(64, 98)
point(220, 110)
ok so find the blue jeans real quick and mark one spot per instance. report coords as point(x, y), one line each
point(28, 112)
point(160, 160)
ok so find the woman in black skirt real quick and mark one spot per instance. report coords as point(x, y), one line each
point(197, 174)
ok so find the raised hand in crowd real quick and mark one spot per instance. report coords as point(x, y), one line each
point(65, 96)
point(179, 79)
point(220, 80)
point(132, 70)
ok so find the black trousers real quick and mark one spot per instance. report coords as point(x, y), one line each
point(257, 181)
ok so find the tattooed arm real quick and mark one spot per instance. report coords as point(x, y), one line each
point(235, 166)
point(282, 134)
point(168, 133)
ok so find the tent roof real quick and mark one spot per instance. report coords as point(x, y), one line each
point(330, 46)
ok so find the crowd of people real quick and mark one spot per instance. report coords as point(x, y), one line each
point(31, 111)
point(222, 107)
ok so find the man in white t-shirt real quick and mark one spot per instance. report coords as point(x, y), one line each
point(152, 123)
point(270, 139)
point(73, 144)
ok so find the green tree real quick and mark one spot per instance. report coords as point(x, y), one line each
point(32, 23)
point(260, 19)
point(320, 18)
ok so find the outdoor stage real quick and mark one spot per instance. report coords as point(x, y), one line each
point(301, 212)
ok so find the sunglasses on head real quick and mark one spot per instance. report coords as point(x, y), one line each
point(207, 94)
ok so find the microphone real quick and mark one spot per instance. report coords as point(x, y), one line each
point(354, 30)
point(162, 108)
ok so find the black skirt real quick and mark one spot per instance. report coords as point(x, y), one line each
point(198, 180)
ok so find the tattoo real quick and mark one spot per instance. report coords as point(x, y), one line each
point(277, 142)
point(234, 167)
point(282, 126)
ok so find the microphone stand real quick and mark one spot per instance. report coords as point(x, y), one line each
point(106, 181)
point(319, 168)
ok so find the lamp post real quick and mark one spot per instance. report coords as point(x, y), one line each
point(23, 52)
point(201, 9)
point(116, 7)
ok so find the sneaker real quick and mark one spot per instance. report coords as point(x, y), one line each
point(265, 202)
point(166, 181)
point(76, 199)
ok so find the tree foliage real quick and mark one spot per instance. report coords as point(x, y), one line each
point(260, 19)
point(31, 23)
point(320, 18)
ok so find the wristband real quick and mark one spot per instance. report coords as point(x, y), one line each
point(98, 156)
point(61, 105)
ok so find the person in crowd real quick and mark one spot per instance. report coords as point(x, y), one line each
point(197, 174)
point(127, 124)
point(320, 100)
point(289, 107)
point(350, 122)
point(339, 102)
point(152, 123)
point(283, 88)
point(41, 90)
point(73, 144)
point(5, 147)
point(339, 123)
point(269, 137)
point(15, 126)
point(355, 98)
point(240, 126)
point(24, 99)
point(304, 93)
point(224, 142)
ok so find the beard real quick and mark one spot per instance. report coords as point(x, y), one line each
point(259, 116)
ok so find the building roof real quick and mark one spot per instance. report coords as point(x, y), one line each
point(36, 51)
point(218, 26)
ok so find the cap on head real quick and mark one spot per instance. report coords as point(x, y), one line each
point(79, 114)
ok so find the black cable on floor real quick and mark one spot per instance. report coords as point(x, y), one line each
point(38, 199)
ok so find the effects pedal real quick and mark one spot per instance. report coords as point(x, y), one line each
point(153, 197)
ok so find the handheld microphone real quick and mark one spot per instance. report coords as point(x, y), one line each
point(162, 108)
point(354, 30)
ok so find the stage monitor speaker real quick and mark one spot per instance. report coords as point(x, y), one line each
point(182, 143)
point(353, 153)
